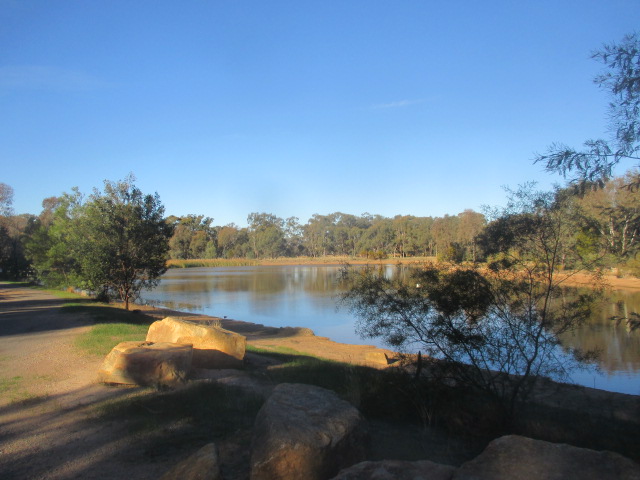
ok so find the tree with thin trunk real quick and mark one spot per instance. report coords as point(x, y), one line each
point(496, 330)
point(122, 240)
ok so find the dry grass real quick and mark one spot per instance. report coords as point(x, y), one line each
point(327, 260)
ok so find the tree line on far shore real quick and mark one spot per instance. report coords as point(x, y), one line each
point(606, 222)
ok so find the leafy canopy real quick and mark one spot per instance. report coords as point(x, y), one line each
point(595, 163)
point(498, 329)
point(122, 240)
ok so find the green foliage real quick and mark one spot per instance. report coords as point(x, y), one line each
point(51, 248)
point(122, 240)
point(266, 235)
point(610, 216)
point(193, 237)
point(10, 383)
point(113, 325)
point(114, 244)
point(496, 331)
point(101, 339)
point(453, 253)
point(13, 262)
point(213, 262)
point(595, 163)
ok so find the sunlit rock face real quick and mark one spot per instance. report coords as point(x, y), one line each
point(145, 363)
point(213, 347)
point(304, 432)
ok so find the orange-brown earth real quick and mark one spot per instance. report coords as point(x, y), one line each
point(50, 399)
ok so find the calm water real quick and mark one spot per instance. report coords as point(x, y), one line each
point(305, 296)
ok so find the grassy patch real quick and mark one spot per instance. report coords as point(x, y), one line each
point(279, 349)
point(102, 338)
point(113, 325)
point(62, 293)
point(377, 393)
point(13, 389)
point(250, 262)
point(212, 262)
point(200, 412)
point(8, 385)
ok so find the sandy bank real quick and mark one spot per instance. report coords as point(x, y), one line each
point(288, 339)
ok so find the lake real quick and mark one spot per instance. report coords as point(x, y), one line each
point(306, 296)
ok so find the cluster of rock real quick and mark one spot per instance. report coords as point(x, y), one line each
point(307, 432)
point(173, 348)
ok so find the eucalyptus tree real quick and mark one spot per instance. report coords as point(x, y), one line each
point(621, 79)
point(266, 235)
point(317, 235)
point(51, 246)
point(612, 213)
point(470, 225)
point(293, 236)
point(193, 237)
point(6, 200)
point(496, 330)
point(445, 233)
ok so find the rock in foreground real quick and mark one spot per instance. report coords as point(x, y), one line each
point(397, 470)
point(512, 457)
point(146, 363)
point(306, 432)
point(213, 347)
point(202, 465)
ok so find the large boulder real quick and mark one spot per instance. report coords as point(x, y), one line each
point(306, 432)
point(512, 456)
point(146, 363)
point(213, 347)
point(397, 470)
point(202, 465)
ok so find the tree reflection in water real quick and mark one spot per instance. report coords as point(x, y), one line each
point(306, 296)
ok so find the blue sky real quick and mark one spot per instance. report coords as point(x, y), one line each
point(297, 107)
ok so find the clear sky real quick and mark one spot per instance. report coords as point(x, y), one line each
point(298, 107)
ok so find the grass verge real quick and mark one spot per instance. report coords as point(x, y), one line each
point(102, 338)
point(328, 260)
point(112, 326)
point(207, 407)
point(178, 422)
point(376, 393)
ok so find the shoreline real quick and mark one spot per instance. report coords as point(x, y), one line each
point(611, 282)
point(294, 261)
point(300, 340)
point(582, 279)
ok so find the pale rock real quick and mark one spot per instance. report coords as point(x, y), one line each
point(376, 357)
point(146, 363)
point(213, 347)
point(304, 432)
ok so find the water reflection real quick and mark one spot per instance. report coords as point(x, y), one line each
point(617, 339)
point(305, 296)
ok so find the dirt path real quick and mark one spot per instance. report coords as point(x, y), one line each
point(48, 395)
point(50, 401)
